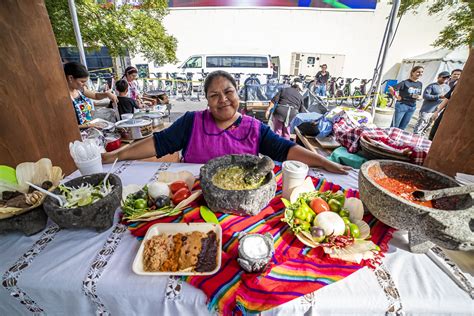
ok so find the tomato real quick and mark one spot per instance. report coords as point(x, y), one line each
point(140, 204)
point(175, 186)
point(318, 205)
point(181, 195)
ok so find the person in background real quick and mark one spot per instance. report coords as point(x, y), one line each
point(125, 104)
point(131, 76)
point(439, 113)
point(220, 130)
point(286, 104)
point(433, 95)
point(163, 99)
point(409, 91)
point(321, 79)
point(77, 76)
point(455, 75)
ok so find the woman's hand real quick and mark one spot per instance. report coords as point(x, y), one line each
point(109, 157)
point(312, 159)
point(112, 96)
point(336, 168)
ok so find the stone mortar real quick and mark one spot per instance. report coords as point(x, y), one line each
point(99, 215)
point(240, 202)
point(29, 223)
point(451, 225)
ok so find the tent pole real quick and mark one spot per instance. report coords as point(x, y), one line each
point(383, 52)
point(372, 90)
point(77, 31)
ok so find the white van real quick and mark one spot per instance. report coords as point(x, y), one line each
point(244, 64)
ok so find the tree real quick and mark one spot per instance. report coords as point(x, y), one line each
point(121, 29)
point(459, 31)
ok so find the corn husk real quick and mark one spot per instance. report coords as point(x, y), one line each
point(364, 229)
point(6, 212)
point(8, 186)
point(306, 186)
point(307, 239)
point(36, 173)
point(358, 251)
point(129, 189)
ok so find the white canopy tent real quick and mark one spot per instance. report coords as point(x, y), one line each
point(434, 62)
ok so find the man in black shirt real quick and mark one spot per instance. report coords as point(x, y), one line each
point(438, 114)
point(321, 79)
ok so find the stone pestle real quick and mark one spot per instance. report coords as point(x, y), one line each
point(257, 173)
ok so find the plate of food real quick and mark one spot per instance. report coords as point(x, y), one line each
point(180, 249)
point(329, 220)
point(166, 196)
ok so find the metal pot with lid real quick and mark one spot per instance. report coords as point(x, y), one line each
point(135, 128)
point(155, 117)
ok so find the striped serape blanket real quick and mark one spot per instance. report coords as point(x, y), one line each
point(295, 269)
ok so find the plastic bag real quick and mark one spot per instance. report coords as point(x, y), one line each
point(324, 127)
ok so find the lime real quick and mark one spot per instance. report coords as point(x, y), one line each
point(355, 232)
point(85, 201)
point(140, 204)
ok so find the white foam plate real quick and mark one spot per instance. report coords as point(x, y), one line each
point(174, 228)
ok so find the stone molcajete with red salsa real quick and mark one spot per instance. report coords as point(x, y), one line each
point(386, 189)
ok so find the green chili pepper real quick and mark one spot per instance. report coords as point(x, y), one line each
point(340, 198)
point(344, 213)
point(334, 205)
point(304, 212)
point(303, 224)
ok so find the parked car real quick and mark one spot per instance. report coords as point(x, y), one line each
point(245, 64)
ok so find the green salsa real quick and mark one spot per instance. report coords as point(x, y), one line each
point(232, 178)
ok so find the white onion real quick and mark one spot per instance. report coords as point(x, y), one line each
point(156, 189)
point(355, 208)
point(331, 223)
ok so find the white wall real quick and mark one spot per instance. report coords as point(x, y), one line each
point(279, 32)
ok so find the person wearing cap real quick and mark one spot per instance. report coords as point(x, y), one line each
point(286, 104)
point(432, 97)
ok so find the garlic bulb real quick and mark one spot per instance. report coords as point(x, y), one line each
point(156, 189)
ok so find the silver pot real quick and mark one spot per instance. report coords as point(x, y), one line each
point(132, 129)
point(155, 117)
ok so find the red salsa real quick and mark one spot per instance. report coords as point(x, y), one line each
point(402, 189)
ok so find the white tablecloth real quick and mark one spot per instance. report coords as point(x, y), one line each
point(81, 272)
